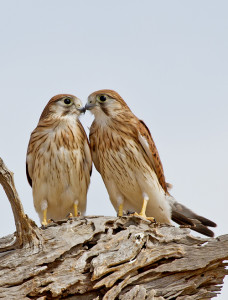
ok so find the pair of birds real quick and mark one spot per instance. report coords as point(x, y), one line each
point(59, 162)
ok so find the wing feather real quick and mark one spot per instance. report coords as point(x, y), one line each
point(86, 148)
point(149, 147)
point(27, 174)
point(93, 149)
point(30, 158)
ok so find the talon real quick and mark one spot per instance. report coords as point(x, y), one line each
point(70, 216)
point(152, 219)
point(143, 210)
point(44, 223)
point(50, 221)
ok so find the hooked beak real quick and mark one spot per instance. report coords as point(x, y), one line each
point(89, 106)
point(82, 110)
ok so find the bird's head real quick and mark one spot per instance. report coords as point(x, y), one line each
point(106, 104)
point(63, 105)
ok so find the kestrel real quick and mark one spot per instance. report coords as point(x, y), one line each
point(59, 162)
point(125, 155)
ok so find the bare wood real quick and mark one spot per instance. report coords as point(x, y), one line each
point(107, 258)
point(115, 258)
point(27, 232)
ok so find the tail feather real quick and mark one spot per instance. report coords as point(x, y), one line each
point(203, 230)
point(184, 216)
point(181, 219)
point(205, 221)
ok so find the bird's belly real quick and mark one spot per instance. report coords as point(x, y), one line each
point(60, 199)
point(132, 179)
point(58, 182)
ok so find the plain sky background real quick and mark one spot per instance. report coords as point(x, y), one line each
point(167, 59)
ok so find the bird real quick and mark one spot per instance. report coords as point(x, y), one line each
point(58, 161)
point(124, 153)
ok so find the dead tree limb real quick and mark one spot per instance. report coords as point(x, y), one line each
point(27, 232)
point(107, 258)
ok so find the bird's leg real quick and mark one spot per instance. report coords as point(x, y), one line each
point(76, 208)
point(44, 222)
point(120, 210)
point(76, 212)
point(120, 206)
point(143, 209)
point(44, 206)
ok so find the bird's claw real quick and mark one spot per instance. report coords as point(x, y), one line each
point(152, 219)
point(70, 216)
point(45, 223)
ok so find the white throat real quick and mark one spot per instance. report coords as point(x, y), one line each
point(100, 117)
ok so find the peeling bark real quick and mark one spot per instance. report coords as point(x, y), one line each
point(107, 258)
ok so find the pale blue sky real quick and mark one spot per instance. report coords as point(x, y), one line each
point(167, 59)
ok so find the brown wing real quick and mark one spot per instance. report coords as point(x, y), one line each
point(86, 148)
point(180, 214)
point(29, 158)
point(152, 152)
point(93, 148)
point(27, 174)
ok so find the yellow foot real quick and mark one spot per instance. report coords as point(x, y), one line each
point(70, 216)
point(44, 223)
point(152, 219)
point(47, 222)
point(143, 210)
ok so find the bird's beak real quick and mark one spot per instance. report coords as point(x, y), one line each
point(82, 110)
point(89, 106)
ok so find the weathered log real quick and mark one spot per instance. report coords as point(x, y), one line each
point(108, 258)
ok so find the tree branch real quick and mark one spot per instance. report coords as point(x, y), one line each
point(107, 258)
point(26, 230)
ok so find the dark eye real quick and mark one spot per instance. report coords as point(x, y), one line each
point(67, 101)
point(102, 98)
